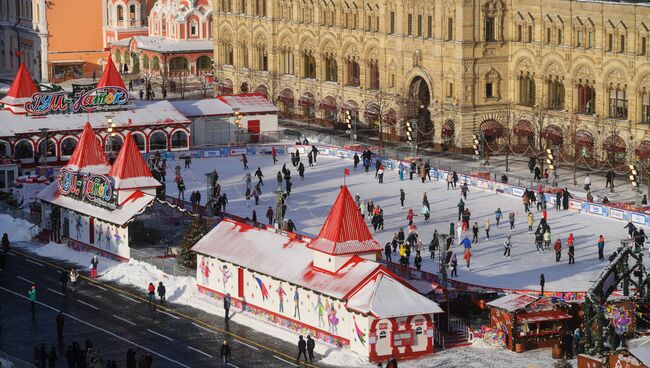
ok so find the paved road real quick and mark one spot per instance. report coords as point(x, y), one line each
point(115, 318)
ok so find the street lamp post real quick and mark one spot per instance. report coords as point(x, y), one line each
point(45, 147)
point(109, 138)
point(279, 200)
point(238, 120)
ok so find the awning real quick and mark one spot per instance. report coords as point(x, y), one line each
point(583, 139)
point(286, 97)
point(643, 150)
point(524, 128)
point(391, 117)
point(350, 106)
point(615, 144)
point(306, 101)
point(66, 62)
point(225, 86)
point(448, 129)
point(551, 315)
point(328, 104)
point(554, 134)
point(491, 128)
point(371, 112)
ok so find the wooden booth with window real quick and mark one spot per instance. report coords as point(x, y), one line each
point(529, 322)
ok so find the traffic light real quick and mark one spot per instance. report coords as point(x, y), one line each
point(550, 159)
point(348, 119)
point(409, 131)
point(476, 145)
point(634, 177)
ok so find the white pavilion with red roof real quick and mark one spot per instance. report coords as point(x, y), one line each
point(92, 203)
point(26, 114)
point(330, 287)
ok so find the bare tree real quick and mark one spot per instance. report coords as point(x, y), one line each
point(540, 116)
point(385, 105)
point(180, 80)
point(571, 145)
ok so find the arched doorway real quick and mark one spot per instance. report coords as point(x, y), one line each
point(419, 99)
point(615, 147)
point(135, 68)
point(179, 64)
point(203, 65)
point(419, 94)
point(524, 134)
point(244, 87)
point(491, 131)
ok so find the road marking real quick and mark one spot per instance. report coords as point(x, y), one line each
point(206, 329)
point(56, 292)
point(243, 343)
point(232, 365)
point(200, 352)
point(286, 361)
point(159, 334)
point(11, 254)
point(125, 320)
point(90, 305)
point(129, 298)
point(97, 286)
point(34, 262)
point(169, 314)
point(24, 297)
point(24, 279)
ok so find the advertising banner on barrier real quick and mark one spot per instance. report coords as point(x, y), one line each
point(575, 205)
point(212, 153)
point(517, 191)
point(342, 153)
point(236, 151)
point(324, 150)
point(637, 218)
point(596, 209)
point(482, 184)
point(617, 214)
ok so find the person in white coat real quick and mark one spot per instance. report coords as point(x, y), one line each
point(459, 232)
point(587, 183)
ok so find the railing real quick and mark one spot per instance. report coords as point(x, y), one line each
point(438, 338)
point(168, 266)
point(456, 324)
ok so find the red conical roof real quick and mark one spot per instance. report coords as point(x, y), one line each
point(22, 88)
point(89, 155)
point(111, 77)
point(344, 230)
point(129, 169)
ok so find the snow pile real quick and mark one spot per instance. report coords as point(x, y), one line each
point(17, 229)
point(63, 253)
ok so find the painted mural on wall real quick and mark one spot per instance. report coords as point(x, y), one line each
point(618, 317)
point(79, 227)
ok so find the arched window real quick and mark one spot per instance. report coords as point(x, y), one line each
point(586, 99)
point(179, 139)
point(645, 106)
point(353, 72)
point(132, 12)
point(204, 63)
point(120, 13)
point(68, 145)
point(617, 102)
point(526, 90)
point(5, 149)
point(155, 63)
point(287, 60)
point(373, 71)
point(194, 28)
point(555, 93)
point(24, 150)
point(51, 149)
point(145, 62)
point(309, 65)
point(138, 138)
point(331, 68)
point(117, 142)
point(179, 64)
point(157, 141)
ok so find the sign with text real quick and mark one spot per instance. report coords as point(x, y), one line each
point(94, 188)
point(98, 99)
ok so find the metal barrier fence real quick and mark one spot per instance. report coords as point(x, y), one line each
point(168, 266)
point(19, 213)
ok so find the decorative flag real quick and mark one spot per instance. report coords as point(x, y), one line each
point(360, 334)
point(265, 292)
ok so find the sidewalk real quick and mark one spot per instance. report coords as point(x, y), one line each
point(518, 172)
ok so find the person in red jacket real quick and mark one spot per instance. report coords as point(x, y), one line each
point(410, 216)
point(558, 250)
point(151, 291)
point(274, 154)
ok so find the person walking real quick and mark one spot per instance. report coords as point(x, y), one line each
point(530, 221)
point(454, 265)
point(418, 260)
point(402, 197)
point(497, 215)
point(31, 294)
point(302, 348)
point(511, 218)
point(487, 228)
point(311, 344)
point(63, 280)
point(244, 161)
point(93, 267)
point(161, 292)
point(60, 319)
point(475, 233)
point(435, 243)
point(74, 275)
point(507, 245)
point(558, 250)
point(461, 208)
point(226, 306)
point(601, 248)
point(5, 243)
point(274, 155)
point(587, 186)
point(225, 353)
point(151, 292)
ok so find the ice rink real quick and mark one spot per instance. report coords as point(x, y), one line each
point(311, 199)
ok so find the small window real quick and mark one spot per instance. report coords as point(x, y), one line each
point(530, 34)
point(559, 37)
point(590, 42)
point(489, 29)
point(610, 42)
point(579, 39)
point(392, 23)
point(519, 33)
point(409, 25)
point(429, 26)
point(450, 90)
point(548, 36)
point(193, 29)
point(382, 335)
point(450, 29)
point(418, 330)
point(644, 46)
point(392, 80)
point(622, 45)
point(489, 92)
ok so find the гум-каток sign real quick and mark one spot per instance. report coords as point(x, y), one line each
point(103, 98)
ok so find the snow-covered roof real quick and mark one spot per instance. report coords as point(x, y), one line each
point(344, 230)
point(129, 208)
point(129, 169)
point(278, 256)
point(88, 156)
point(145, 113)
point(379, 297)
point(513, 302)
point(21, 90)
point(642, 354)
point(164, 45)
point(204, 107)
point(249, 103)
point(111, 77)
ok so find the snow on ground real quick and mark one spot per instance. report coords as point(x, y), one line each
point(183, 290)
point(16, 229)
point(312, 198)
